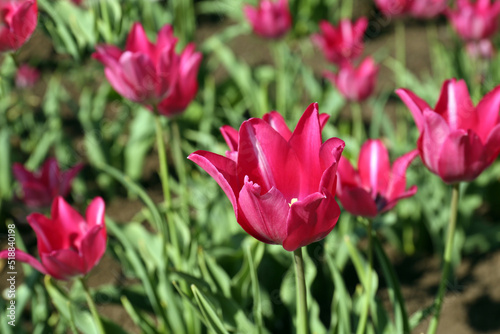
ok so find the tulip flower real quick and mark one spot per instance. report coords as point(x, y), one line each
point(355, 84)
point(374, 187)
point(392, 8)
point(68, 245)
point(271, 19)
point(457, 140)
point(280, 183)
point(152, 74)
point(342, 44)
point(26, 76)
point(425, 9)
point(475, 20)
point(41, 187)
point(18, 19)
point(480, 49)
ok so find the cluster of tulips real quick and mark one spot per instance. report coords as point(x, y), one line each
point(283, 185)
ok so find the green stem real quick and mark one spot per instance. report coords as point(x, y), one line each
point(357, 118)
point(165, 184)
point(438, 302)
point(400, 49)
point(180, 166)
point(281, 89)
point(368, 282)
point(93, 309)
point(302, 320)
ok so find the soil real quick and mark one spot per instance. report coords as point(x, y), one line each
point(472, 304)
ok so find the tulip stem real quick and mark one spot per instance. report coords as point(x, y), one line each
point(302, 320)
point(281, 80)
point(438, 302)
point(92, 307)
point(400, 51)
point(164, 182)
point(368, 282)
point(357, 118)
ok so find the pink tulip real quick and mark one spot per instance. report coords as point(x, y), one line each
point(18, 19)
point(355, 84)
point(374, 187)
point(425, 9)
point(457, 140)
point(41, 187)
point(393, 8)
point(475, 20)
point(281, 183)
point(480, 49)
point(271, 19)
point(26, 76)
point(342, 44)
point(68, 245)
point(152, 74)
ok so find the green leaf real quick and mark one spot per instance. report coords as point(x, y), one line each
point(213, 321)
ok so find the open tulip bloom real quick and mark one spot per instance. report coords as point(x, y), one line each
point(457, 140)
point(374, 187)
point(18, 20)
point(152, 74)
point(281, 183)
point(40, 188)
point(270, 19)
point(343, 43)
point(69, 246)
point(476, 20)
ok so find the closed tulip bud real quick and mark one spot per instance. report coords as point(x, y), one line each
point(426, 9)
point(281, 183)
point(18, 19)
point(270, 19)
point(457, 139)
point(68, 245)
point(374, 187)
point(355, 84)
point(393, 8)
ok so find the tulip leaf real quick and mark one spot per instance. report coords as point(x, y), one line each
point(141, 320)
point(400, 314)
point(213, 321)
point(341, 303)
point(140, 141)
point(257, 308)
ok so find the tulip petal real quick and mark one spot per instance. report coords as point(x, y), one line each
point(392, 202)
point(306, 143)
point(95, 213)
point(415, 104)
point(26, 258)
point(492, 147)
point(323, 119)
point(462, 157)
point(63, 264)
point(433, 136)
point(266, 214)
point(66, 179)
point(49, 236)
point(277, 122)
point(397, 183)
point(310, 220)
point(455, 106)
point(93, 246)
point(108, 55)
point(230, 136)
point(487, 111)
point(268, 160)
point(138, 42)
point(357, 201)
point(374, 166)
point(347, 175)
point(223, 171)
point(22, 174)
point(139, 72)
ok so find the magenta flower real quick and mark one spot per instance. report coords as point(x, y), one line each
point(480, 49)
point(426, 9)
point(271, 19)
point(343, 43)
point(41, 187)
point(18, 19)
point(152, 74)
point(355, 84)
point(26, 76)
point(281, 183)
point(68, 245)
point(374, 187)
point(393, 8)
point(457, 140)
point(475, 20)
